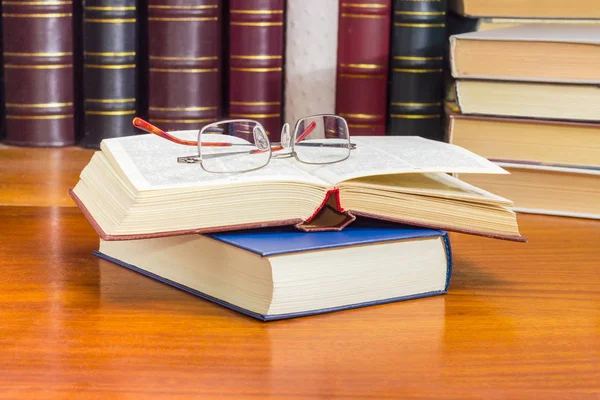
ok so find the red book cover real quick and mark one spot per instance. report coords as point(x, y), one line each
point(184, 63)
point(256, 37)
point(362, 70)
point(38, 73)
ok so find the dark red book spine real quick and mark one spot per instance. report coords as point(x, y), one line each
point(362, 70)
point(38, 73)
point(184, 63)
point(256, 38)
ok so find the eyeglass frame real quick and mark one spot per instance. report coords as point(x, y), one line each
point(197, 159)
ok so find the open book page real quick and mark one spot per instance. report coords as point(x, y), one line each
point(150, 163)
point(382, 155)
point(438, 185)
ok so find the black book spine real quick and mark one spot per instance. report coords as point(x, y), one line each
point(110, 69)
point(417, 68)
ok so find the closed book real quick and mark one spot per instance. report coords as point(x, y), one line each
point(362, 65)
point(134, 188)
point(562, 53)
point(273, 274)
point(560, 143)
point(110, 69)
point(555, 101)
point(541, 188)
point(417, 63)
point(184, 45)
point(526, 9)
point(38, 73)
point(256, 39)
point(461, 24)
point(310, 58)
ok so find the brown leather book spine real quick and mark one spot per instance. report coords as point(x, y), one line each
point(362, 70)
point(38, 72)
point(110, 66)
point(256, 36)
point(184, 63)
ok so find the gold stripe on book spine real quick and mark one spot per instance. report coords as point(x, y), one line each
point(18, 54)
point(47, 15)
point(419, 25)
point(168, 7)
point(412, 58)
point(129, 112)
point(131, 100)
point(39, 117)
point(277, 69)
point(183, 108)
point(256, 57)
point(410, 116)
point(361, 116)
point(39, 105)
point(110, 20)
point(350, 15)
point(184, 19)
point(364, 125)
point(110, 54)
point(101, 66)
point(362, 66)
point(210, 58)
point(54, 66)
point(187, 71)
point(36, 3)
point(124, 8)
point(255, 103)
point(260, 24)
point(432, 13)
point(255, 115)
point(363, 5)
point(417, 71)
point(260, 12)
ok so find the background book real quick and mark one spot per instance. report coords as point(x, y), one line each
point(526, 8)
point(546, 189)
point(288, 274)
point(310, 58)
point(530, 88)
point(38, 73)
point(559, 143)
point(417, 61)
point(185, 58)
point(110, 54)
point(362, 65)
point(256, 44)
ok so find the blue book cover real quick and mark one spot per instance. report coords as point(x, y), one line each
point(278, 241)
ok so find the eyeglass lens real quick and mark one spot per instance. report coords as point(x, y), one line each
point(233, 146)
point(322, 139)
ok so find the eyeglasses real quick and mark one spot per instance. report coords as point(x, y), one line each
point(242, 145)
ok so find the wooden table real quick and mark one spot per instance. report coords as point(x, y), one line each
point(520, 320)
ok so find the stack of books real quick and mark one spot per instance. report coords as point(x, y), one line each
point(528, 99)
point(291, 239)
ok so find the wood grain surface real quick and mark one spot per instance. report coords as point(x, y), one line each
point(520, 320)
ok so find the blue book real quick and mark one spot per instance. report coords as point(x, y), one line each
point(279, 273)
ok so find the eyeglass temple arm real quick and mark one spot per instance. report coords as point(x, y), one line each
point(148, 127)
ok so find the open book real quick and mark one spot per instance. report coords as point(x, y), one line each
point(135, 188)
